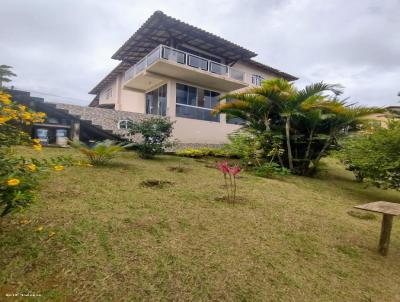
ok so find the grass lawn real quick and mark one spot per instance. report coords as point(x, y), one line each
point(291, 239)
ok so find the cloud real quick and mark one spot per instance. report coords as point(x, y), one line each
point(64, 47)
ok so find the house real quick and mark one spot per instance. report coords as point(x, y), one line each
point(173, 69)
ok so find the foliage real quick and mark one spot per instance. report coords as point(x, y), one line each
point(305, 123)
point(246, 146)
point(203, 152)
point(5, 74)
point(270, 169)
point(14, 118)
point(230, 186)
point(155, 133)
point(18, 176)
point(100, 153)
point(375, 156)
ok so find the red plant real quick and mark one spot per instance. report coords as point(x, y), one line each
point(232, 171)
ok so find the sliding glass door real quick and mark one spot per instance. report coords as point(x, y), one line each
point(156, 101)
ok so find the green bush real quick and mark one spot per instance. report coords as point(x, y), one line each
point(374, 157)
point(271, 169)
point(245, 146)
point(203, 152)
point(155, 133)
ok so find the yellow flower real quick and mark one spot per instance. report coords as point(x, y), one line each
point(58, 168)
point(32, 167)
point(5, 99)
point(51, 234)
point(36, 141)
point(22, 107)
point(24, 221)
point(4, 119)
point(39, 229)
point(13, 182)
point(37, 147)
point(27, 116)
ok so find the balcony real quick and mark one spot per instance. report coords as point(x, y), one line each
point(165, 61)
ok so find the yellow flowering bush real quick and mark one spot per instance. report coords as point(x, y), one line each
point(18, 176)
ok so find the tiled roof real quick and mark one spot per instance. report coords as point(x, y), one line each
point(160, 28)
point(267, 68)
point(121, 67)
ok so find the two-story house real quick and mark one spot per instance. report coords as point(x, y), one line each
point(171, 68)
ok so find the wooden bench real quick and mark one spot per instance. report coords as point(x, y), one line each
point(389, 210)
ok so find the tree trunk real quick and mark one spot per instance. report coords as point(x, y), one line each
point(328, 142)
point(309, 144)
point(289, 147)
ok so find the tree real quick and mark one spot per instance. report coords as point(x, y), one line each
point(154, 132)
point(374, 157)
point(307, 121)
point(5, 74)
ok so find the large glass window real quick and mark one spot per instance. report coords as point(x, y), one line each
point(156, 101)
point(196, 103)
point(230, 119)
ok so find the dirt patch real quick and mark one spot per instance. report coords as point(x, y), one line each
point(238, 200)
point(179, 169)
point(156, 183)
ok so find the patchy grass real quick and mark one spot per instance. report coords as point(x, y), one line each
point(362, 215)
point(116, 240)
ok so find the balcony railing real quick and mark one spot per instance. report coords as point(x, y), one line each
point(185, 58)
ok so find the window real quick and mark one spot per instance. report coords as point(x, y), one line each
point(256, 79)
point(156, 101)
point(196, 103)
point(108, 93)
point(233, 119)
point(124, 124)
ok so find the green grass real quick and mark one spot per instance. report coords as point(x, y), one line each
point(290, 239)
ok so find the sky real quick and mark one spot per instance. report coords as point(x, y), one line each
point(61, 49)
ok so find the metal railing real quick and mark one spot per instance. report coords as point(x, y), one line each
point(185, 58)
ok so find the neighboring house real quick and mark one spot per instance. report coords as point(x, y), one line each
point(173, 69)
point(382, 119)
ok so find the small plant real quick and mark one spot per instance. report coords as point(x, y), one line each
point(230, 186)
point(100, 153)
point(272, 168)
point(155, 133)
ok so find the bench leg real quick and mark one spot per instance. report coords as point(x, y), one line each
point(386, 229)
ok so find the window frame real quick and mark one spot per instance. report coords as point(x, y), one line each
point(257, 79)
point(126, 121)
point(186, 104)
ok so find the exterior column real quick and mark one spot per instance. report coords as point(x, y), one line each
point(75, 130)
point(171, 98)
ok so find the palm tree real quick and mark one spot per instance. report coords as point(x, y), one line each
point(5, 74)
point(308, 117)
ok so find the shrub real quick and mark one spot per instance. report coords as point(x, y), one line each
point(245, 146)
point(155, 133)
point(270, 169)
point(18, 176)
point(100, 153)
point(203, 152)
point(374, 157)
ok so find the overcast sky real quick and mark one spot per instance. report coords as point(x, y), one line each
point(64, 47)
